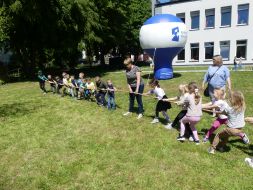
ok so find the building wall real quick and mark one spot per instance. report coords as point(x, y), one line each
point(233, 33)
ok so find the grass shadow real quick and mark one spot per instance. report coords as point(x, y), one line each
point(151, 75)
point(246, 149)
point(17, 109)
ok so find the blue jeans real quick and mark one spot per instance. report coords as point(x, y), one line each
point(111, 103)
point(100, 97)
point(138, 98)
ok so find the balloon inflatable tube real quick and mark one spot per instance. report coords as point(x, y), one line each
point(163, 37)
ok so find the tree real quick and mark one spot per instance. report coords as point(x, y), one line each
point(41, 31)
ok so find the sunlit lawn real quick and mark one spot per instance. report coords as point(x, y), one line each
point(48, 142)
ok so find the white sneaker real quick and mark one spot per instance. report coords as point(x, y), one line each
point(127, 113)
point(140, 116)
point(155, 120)
point(249, 161)
point(211, 150)
point(191, 139)
point(181, 138)
point(245, 139)
point(168, 126)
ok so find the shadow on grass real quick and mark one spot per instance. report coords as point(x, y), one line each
point(151, 75)
point(247, 149)
point(17, 109)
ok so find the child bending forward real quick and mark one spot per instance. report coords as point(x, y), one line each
point(194, 113)
point(235, 111)
point(161, 105)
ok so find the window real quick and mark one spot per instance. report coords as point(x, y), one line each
point(241, 48)
point(225, 16)
point(243, 14)
point(225, 49)
point(181, 55)
point(209, 50)
point(195, 20)
point(181, 16)
point(195, 51)
point(210, 18)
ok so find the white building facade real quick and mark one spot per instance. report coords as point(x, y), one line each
point(222, 27)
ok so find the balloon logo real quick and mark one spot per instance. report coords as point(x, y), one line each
point(163, 36)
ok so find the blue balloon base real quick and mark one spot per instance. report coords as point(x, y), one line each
point(163, 74)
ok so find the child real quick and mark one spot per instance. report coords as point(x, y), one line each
point(42, 80)
point(73, 86)
point(161, 105)
point(220, 103)
point(194, 113)
point(90, 88)
point(111, 95)
point(181, 100)
point(65, 83)
point(52, 83)
point(59, 84)
point(235, 111)
point(80, 88)
point(101, 91)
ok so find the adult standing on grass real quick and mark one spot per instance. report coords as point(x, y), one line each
point(136, 87)
point(217, 76)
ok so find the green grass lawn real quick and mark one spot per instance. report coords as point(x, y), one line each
point(48, 142)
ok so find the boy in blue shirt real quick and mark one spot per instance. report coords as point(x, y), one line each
point(111, 95)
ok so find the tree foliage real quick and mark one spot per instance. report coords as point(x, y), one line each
point(43, 31)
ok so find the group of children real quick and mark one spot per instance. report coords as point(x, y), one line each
point(81, 88)
point(229, 112)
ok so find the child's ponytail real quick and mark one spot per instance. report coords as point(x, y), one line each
point(154, 82)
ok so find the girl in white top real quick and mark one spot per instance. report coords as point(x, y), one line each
point(235, 111)
point(218, 105)
point(194, 112)
point(181, 101)
point(161, 105)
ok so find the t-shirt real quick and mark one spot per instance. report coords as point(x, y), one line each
point(42, 78)
point(73, 82)
point(59, 82)
point(159, 92)
point(90, 86)
point(221, 107)
point(131, 76)
point(219, 78)
point(193, 109)
point(79, 82)
point(65, 81)
point(111, 93)
point(101, 85)
point(51, 82)
point(235, 119)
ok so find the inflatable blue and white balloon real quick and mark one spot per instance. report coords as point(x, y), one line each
point(163, 36)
